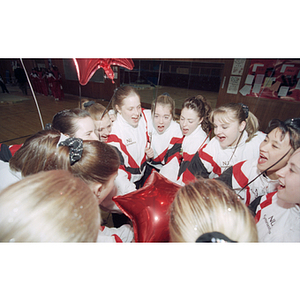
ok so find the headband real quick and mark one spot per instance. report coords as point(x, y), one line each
point(214, 237)
point(75, 148)
point(245, 109)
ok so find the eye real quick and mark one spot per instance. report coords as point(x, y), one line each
point(274, 146)
point(224, 127)
point(292, 171)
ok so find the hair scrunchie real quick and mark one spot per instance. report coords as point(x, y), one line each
point(75, 148)
point(214, 237)
point(245, 109)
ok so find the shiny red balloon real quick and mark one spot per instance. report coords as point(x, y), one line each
point(148, 208)
point(86, 67)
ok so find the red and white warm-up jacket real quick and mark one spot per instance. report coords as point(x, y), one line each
point(276, 220)
point(166, 145)
point(241, 174)
point(216, 159)
point(183, 170)
point(123, 234)
point(131, 143)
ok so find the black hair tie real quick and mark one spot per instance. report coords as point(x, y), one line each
point(214, 237)
point(75, 148)
point(245, 110)
point(89, 103)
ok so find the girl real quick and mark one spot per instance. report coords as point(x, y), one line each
point(102, 121)
point(206, 211)
point(96, 163)
point(51, 206)
point(165, 133)
point(236, 138)
point(195, 127)
point(254, 178)
point(74, 122)
point(130, 137)
point(278, 214)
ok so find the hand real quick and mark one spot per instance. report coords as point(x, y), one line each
point(149, 152)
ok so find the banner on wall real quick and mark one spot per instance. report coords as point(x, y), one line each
point(273, 79)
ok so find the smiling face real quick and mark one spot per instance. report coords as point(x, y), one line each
point(86, 129)
point(189, 121)
point(289, 180)
point(271, 149)
point(162, 117)
point(228, 133)
point(131, 109)
point(103, 128)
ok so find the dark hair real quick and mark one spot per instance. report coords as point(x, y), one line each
point(98, 162)
point(202, 108)
point(121, 93)
point(65, 120)
point(290, 126)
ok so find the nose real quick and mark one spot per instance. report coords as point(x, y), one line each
point(217, 130)
point(136, 111)
point(281, 172)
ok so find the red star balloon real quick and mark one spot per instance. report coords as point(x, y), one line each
point(86, 67)
point(148, 208)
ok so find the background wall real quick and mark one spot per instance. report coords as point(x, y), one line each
point(202, 74)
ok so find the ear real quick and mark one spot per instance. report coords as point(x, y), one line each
point(242, 126)
point(96, 189)
point(201, 120)
point(118, 108)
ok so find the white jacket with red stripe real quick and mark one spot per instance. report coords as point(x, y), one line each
point(131, 143)
point(277, 221)
point(245, 171)
point(216, 159)
point(164, 144)
point(123, 234)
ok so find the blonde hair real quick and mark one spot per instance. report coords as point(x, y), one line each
point(207, 205)
point(232, 112)
point(51, 206)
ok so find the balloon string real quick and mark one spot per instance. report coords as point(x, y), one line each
point(33, 94)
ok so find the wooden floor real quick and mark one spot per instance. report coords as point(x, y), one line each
point(19, 116)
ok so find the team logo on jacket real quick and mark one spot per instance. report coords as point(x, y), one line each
point(129, 142)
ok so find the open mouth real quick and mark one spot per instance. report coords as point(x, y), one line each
point(160, 128)
point(185, 131)
point(262, 159)
point(221, 138)
point(280, 186)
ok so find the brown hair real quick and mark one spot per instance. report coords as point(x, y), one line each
point(207, 205)
point(165, 100)
point(65, 120)
point(51, 206)
point(121, 93)
point(95, 109)
point(231, 112)
point(40, 153)
point(200, 105)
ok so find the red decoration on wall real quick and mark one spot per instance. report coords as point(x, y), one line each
point(148, 208)
point(86, 67)
point(275, 79)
